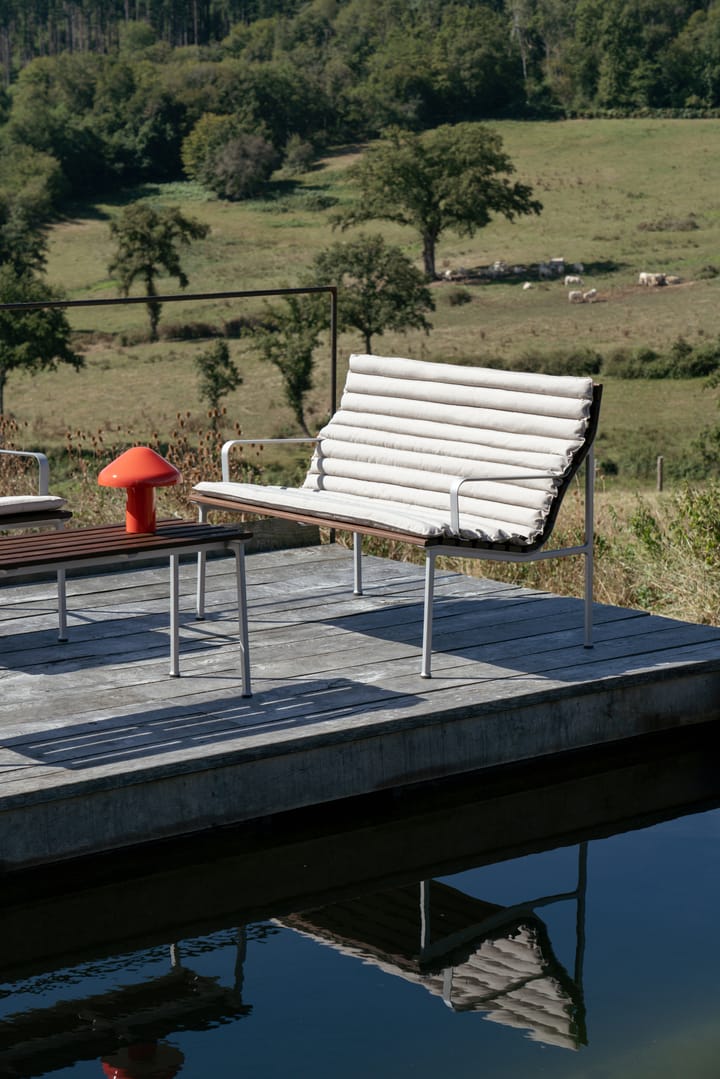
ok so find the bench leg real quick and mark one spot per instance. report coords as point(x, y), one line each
point(427, 614)
point(589, 538)
point(174, 615)
point(239, 549)
point(357, 564)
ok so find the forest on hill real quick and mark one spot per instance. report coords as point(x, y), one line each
point(100, 94)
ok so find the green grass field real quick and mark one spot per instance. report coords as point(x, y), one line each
point(619, 196)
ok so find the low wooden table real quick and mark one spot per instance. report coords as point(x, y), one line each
point(111, 545)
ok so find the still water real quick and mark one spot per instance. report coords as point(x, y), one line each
point(588, 959)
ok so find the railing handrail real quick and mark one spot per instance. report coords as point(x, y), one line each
point(233, 294)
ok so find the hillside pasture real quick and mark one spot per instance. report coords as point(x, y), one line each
point(619, 196)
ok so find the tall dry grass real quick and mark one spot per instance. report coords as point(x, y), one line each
point(193, 449)
point(659, 553)
point(655, 553)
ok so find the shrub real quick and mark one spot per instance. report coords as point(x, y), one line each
point(189, 331)
point(696, 524)
point(231, 161)
point(299, 155)
point(683, 360)
point(670, 224)
point(458, 296)
point(578, 361)
point(240, 167)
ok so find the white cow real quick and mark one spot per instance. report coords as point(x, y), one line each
point(651, 279)
point(575, 296)
point(572, 279)
point(590, 296)
point(527, 285)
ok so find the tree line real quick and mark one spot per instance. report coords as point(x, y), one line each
point(107, 93)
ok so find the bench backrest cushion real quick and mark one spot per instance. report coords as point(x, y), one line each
point(405, 429)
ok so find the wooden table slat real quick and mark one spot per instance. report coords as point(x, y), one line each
point(73, 545)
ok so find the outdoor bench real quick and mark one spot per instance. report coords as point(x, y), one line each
point(465, 461)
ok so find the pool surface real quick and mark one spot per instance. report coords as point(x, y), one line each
point(591, 958)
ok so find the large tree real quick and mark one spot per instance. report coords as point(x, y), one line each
point(31, 339)
point(147, 241)
point(455, 177)
point(378, 287)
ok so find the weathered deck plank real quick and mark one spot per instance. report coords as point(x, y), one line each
point(99, 748)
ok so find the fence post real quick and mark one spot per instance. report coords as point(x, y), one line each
point(660, 473)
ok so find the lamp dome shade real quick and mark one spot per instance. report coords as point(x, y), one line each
point(139, 467)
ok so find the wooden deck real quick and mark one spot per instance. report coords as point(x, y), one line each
point(100, 749)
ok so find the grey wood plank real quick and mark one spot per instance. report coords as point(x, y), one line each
point(290, 698)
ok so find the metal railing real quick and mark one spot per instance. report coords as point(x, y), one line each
point(237, 294)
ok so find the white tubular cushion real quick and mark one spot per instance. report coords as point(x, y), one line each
point(10, 504)
point(554, 385)
point(415, 469)
point(387, 427)
point(479, 419)
point(373, 444)
point(509, 400)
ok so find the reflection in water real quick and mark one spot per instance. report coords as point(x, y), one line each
point(475, 956)
point(124, 1026)
point(413, 899)
point(146, 1060)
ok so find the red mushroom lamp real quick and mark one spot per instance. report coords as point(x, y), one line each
point(140, 470)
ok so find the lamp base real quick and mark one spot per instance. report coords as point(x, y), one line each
point(140, 509)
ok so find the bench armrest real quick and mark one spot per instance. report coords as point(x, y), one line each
point(459, 481)
point(227, 446)
point(43, 467)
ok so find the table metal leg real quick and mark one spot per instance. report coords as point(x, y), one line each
point(174, 615)
point(62, 606)
point(239, 549)
point(201, 562)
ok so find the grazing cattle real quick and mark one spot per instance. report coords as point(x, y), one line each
point(572, 279)
point(651, 279)
point(575, 296)
point(527, 285)
point(590, 296)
